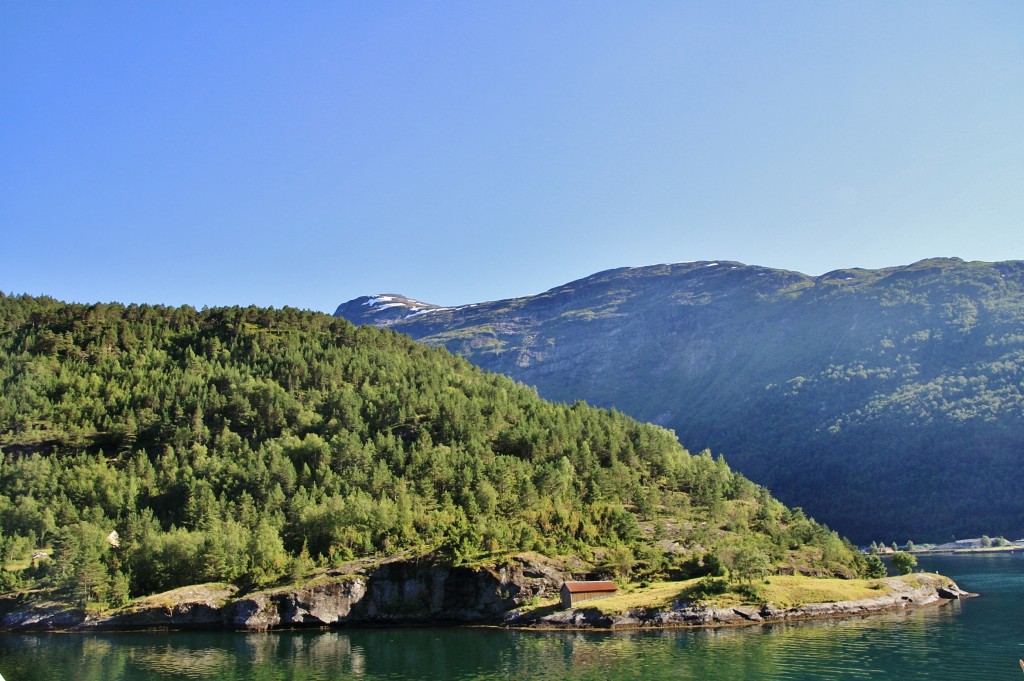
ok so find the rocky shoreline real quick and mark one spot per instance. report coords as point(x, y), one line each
point(415, 593)
point(933, 591)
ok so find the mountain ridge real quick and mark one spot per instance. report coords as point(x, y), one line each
point(862, 372)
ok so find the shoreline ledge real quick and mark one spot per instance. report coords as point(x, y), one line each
point(933, 591)
point(411, 593)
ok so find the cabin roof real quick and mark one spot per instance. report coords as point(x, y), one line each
point(589, 587)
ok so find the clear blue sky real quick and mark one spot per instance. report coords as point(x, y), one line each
point(221, 153)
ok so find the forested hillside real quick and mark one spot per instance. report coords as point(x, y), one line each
point(248, 445)
point(888, 403)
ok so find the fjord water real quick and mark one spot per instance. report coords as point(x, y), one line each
point(977, 639)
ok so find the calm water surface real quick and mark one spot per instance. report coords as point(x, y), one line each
point(977, 639)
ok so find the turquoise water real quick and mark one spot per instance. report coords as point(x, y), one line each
point(977, 639)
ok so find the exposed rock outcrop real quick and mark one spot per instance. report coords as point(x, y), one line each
point(399, 591)
point(190, 607)
point(953, 592)
point(21, 613)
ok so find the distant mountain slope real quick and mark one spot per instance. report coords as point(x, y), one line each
point(888, 402)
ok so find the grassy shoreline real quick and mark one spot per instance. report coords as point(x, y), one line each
point(781, 592)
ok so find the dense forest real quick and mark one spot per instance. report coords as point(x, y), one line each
point(252, 445)
point(888, 403)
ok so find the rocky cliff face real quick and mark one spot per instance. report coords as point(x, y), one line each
point(397, 592)
point(817, 387)
point(327, 603)
point(401, 592)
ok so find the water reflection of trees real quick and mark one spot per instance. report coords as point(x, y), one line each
point(840, 649)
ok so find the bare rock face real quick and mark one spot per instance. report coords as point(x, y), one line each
point(531, 578)
point(582, 618)
point(953, 592)
point(40, 616)
point(323, 604)
point(400, 591)
point(409, 591)
point(182, 615)
point(397, 591)
point(193, 607)
point(256, 612)
point(330, 604)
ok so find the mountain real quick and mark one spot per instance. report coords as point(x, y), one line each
point(152, 448)
point(887, 403)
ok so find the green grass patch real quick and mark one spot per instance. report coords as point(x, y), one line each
point(783, 591)
point(787, 591)
point(312, 580)
point(26, 562)
point(216, 592)
point(657, 596)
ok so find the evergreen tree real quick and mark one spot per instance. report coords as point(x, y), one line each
point(903, 562)
point(874, 567)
